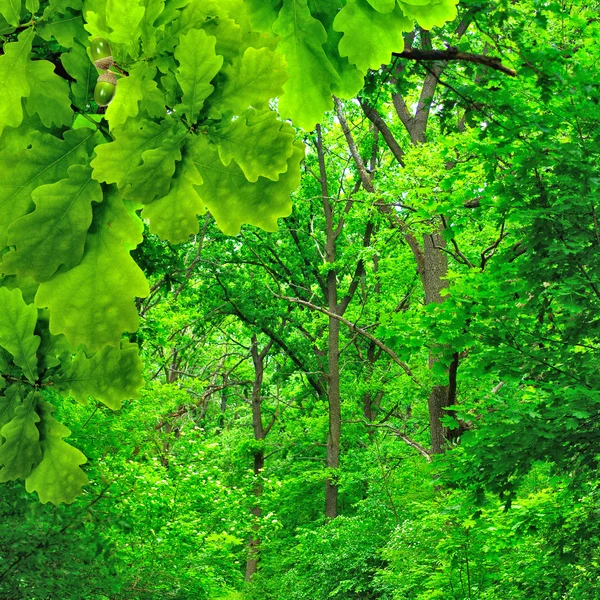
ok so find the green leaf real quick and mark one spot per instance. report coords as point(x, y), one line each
point(93, 303)
point(65, 29)
point(259, 143)
point(138, 88)
point(152, 178)
point(46, 160)
point(21, 451)
point(9, 400)
point(351, 78)
point(250, 81)
point(263, 13)
point(49, 96)
point(307, 93)
point(198, 65)
point(13, 81)
point(174, 216)
point(60, 7)
point(124, 18)
point(233, 200)
point(54, 233)
point(152, 11)
point(115, 161)
point(79, 66)
point(433, 14)
point(383, 6)
point(11, 11)
point(370, 37)
point(110, 376)
point(17, 325)
point(58, 477)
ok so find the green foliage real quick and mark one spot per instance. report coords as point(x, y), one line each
point(190, 128)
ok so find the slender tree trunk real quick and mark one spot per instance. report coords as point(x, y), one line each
point(260, 433)
point(333, 346)
point(335, 418)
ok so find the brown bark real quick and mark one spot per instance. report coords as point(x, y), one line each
point(260, 433)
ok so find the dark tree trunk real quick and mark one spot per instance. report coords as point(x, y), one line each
point(260, 433)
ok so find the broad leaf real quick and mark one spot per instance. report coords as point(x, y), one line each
point(49, 96)
point(174, 216)
point(115, 161)
point(135, 90)
point(17, 325)
point(124, 18)
point(93, 303)
point(79, 66)
point(433, 14)
point(250, 81)
point(308, 90)
point(259, 143)
point(110, 375)
point(54, 233)
point(11, 11)
point(198, 65)
point(13, 80)
point(21, 450)
point(58, 477)
point(370, 37)
point(233, 200)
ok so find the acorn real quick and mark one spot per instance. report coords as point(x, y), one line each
point(105, 88)
point(101, 54)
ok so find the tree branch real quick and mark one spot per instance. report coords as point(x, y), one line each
point(455, 54)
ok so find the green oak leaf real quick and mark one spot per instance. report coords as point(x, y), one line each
point(124, 18)
point(110, 375)
point(384, 6)
point(79, 66)
point(61, 7)
point(198, 65)
point(229, 36)
point(65, 29)
point(21, 451)
point(370, 37)
point(259, 143)
point(11, 11)
point(13, 81)
point(174, 216)
point(253, 80)
point(137, 88)
point(93, 303)
point(152, 179)
point(49, 96)
point(263, 13)
point(9, 400)
point(115, 161)
point(170, 13)
point(58, 477)
point(433, 14)
point(17, 325)
point(233, 200)
point(307, 92)
point(54, 350)
point(54, 233)
point(351, 78)
point(45, 161)
point(152, 11)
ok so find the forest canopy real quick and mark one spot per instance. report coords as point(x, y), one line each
point(299, 299)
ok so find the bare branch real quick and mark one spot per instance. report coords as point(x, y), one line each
point(455, 54)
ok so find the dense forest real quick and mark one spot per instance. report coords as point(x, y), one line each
point(299, 299)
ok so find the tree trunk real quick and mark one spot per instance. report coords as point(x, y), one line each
point(335, 418)
point(260, 433)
